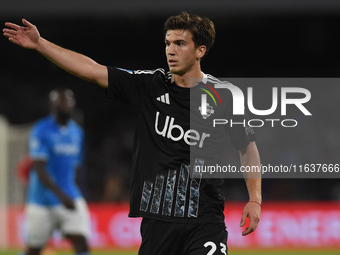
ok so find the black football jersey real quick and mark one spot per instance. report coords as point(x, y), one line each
point(173, 135)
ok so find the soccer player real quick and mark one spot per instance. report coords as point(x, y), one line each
point(54, 200)
point(182, 212)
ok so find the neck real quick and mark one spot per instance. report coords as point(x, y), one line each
point(185, 79)
point(61, 121)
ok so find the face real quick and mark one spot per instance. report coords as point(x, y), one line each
point(180, 50)
point(63, 104)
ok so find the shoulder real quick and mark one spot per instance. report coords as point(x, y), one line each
point(142, 74)
point(218, 83)
point(158, 71)
point(222, 89)
point(215, 81)
point(155, 76)
point(42, 124)
point(76, 127)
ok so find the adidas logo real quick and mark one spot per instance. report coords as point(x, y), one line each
point(164, 98)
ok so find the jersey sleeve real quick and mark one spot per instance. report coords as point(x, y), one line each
point(240, 133)
point(38, 147)
point(126, 86)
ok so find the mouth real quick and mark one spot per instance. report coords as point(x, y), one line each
point(172, 62)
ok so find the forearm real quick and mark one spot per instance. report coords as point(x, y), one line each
point(77, 64)
point(73, 62)
point(46, 180)
point(252, 210)
point(250, 157)
point(254, 189)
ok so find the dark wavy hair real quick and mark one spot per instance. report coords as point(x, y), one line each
point(202, 29)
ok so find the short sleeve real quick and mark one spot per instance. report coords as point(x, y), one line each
point(240, 133)
point(125, 86)
point(38, 147)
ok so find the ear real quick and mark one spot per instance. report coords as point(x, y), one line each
point(200, 51)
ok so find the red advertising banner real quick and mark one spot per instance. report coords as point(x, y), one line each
point(284, 225)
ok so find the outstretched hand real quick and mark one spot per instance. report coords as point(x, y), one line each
point(253, 212)
point(27, 36)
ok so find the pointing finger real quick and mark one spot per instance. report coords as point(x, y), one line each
point(9, 31)
point(12, 25)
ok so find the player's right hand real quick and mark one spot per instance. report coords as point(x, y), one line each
point(68, 202)
point(26, 37)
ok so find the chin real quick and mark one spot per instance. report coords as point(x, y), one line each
point(171, 69)
point(175, 70)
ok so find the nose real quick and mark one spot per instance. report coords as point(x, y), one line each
point(170, 49)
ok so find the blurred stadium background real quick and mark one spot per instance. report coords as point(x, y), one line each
point(264, 38)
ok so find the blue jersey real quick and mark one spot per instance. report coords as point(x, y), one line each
point(62, 148)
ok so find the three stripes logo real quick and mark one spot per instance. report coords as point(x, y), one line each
point(205, 109)
point(164, 98)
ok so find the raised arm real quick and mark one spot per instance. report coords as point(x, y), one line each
point(250, 157)
point(77, 64)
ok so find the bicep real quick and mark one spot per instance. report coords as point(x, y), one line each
point(100, 74)
point(40, 168)
point(38, 146)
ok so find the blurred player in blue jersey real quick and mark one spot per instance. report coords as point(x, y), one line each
point(54, 200)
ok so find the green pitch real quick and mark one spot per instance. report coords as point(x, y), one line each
point(231, 252)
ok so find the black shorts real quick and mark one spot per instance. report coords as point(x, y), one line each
point(168, 238)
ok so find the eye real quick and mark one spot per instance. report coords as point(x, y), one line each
point(167, 44)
